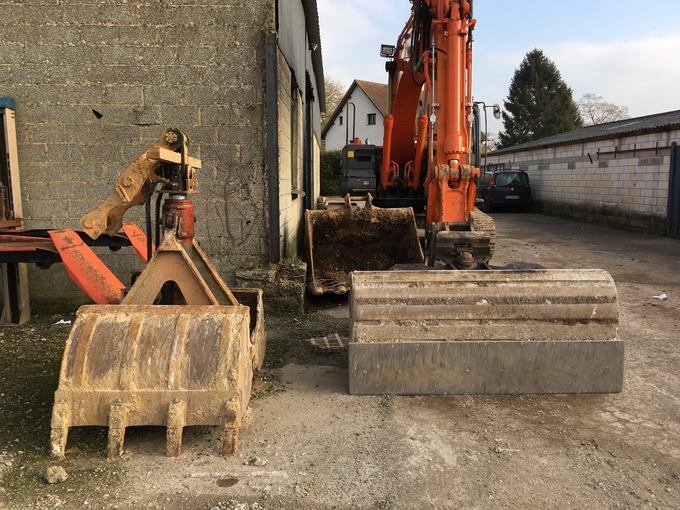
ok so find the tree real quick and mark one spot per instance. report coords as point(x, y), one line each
point(539, 103)
point(335, 90)
point(330, 183)
point(595, 110)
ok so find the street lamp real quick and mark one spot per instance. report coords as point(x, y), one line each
point(497, 115)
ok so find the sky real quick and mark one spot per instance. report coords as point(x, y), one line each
point(626, 51)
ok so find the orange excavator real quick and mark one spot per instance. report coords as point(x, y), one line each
point(443, 320)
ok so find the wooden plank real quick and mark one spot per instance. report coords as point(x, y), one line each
point(168, 156)
point(16, 305)
point(514, 367)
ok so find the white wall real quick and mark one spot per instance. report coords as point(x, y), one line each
point(336, 134)
point(625, 184)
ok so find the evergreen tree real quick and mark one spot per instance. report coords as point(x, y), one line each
point(539, 103)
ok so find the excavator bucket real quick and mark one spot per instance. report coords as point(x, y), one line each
point(339, 241)
point(180, 348)
point(174, 365)
point(163, 365)
point(484, 332)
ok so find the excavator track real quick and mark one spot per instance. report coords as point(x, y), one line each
point(482, 222)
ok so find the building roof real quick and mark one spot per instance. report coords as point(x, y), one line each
point(376, 92)
point(626, 127)
point(314, 34)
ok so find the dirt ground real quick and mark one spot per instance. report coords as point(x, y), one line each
point(309, 444)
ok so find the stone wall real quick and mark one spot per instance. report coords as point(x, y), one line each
point(620, 182)
point(96, 83)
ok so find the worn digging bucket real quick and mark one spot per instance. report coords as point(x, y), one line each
point(339, 241)
point(171, 365)
point(484, 332)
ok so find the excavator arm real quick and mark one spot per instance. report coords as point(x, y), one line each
point(427, 133)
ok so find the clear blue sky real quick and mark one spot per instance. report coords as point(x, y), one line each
point(626, 51)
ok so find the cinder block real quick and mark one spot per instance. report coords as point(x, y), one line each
point(196, 56)
point(119, 14)
point(32, 152)
point(141, 35)
point(185, 76)
point(158, 56)
point(189, 36)
point(66, 190)
point(221, 76)
point(126, 55)
point(128, 95)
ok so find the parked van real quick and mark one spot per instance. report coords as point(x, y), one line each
point(504, 188)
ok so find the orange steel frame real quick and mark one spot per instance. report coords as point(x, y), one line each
point(442, 127)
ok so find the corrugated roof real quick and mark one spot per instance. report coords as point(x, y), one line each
point(314, 34)
point(626, 127)
point(376, 92)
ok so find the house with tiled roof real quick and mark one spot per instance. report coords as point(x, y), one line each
point(624, 173)
point(359, 115)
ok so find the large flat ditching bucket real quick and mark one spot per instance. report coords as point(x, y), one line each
point(339, 241)
point(484, 332)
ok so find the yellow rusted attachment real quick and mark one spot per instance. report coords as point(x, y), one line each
point(132, 184)
point(166, 365)
point(188, 361)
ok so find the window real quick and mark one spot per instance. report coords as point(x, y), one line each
point(340, 120)
point(371, 119)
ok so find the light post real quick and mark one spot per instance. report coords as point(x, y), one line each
point(497, 115)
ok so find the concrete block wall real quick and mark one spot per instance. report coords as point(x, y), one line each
point(142, 65)
point(622, 182)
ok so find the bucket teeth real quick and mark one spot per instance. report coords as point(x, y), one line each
point(161, 365)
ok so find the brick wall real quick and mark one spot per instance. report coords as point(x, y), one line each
point(620, 182)
point(144, 65)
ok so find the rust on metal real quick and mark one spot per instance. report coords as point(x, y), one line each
point(181, 347)
point(339, 241)
point(132, 185)
point(165, 365)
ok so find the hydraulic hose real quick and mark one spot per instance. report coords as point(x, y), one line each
point(152, 190)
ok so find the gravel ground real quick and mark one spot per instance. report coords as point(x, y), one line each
point(308, 444)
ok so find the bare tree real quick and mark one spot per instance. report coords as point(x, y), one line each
point(335, 90)
point(490, 144)
point(595, 110)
